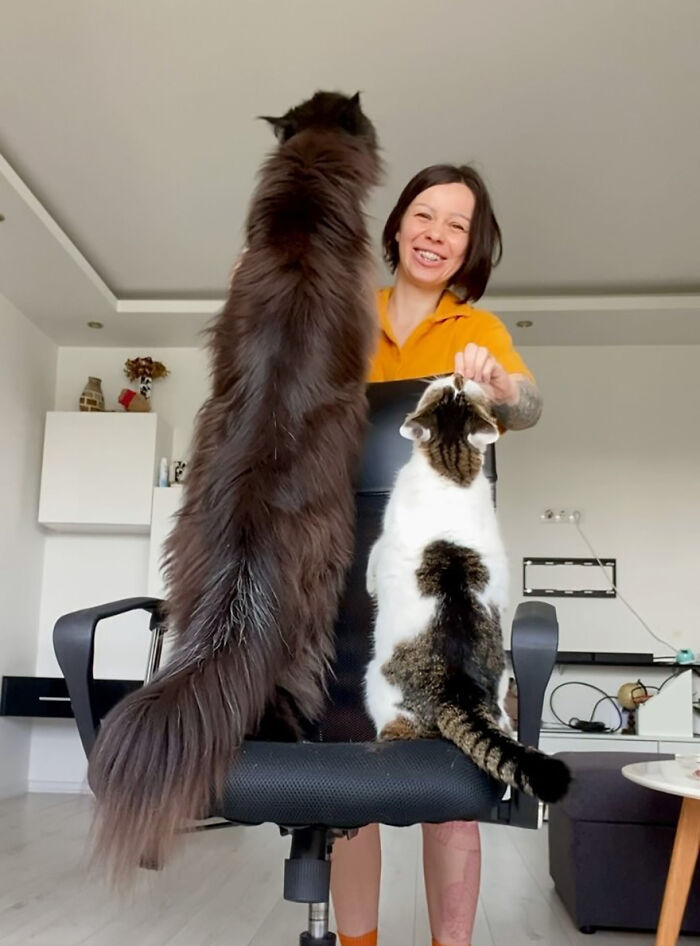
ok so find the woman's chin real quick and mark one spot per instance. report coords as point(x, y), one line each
point(427, 280)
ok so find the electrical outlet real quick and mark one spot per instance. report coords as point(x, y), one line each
point(569, 516)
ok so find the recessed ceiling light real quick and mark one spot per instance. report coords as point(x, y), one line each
point(95, 325)
point(524, 323)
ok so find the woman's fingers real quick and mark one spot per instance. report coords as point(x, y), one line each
point(482, 357)
point(470, 353)
point(478, 362)
point(488, 370)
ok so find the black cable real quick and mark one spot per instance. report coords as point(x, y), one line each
point(671, 676)
point(612, 700)
point(591, 686)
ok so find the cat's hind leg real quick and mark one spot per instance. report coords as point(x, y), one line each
point(384, 701)
point(504, 720)
point(402, 727)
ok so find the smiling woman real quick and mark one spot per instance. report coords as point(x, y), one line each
point(443, 201)
point(442, 241)
point(433, 233)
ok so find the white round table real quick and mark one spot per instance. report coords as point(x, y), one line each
point(677, 777)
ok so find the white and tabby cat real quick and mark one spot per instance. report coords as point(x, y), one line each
point(438, 573)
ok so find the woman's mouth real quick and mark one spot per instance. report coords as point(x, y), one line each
point(428, 258)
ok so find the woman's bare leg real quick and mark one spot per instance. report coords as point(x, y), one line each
point(452, 871)
point(355, 871)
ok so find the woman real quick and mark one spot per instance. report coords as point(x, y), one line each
point(441, 240)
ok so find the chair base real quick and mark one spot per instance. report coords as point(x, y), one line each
point(307, 874)
point(306, 939)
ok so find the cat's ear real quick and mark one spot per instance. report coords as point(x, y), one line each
point(412, 429)
point(283, 127)
point(352, 117)
point(482, 434)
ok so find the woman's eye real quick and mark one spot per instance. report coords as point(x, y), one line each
point(423, 215)
point(458, 226)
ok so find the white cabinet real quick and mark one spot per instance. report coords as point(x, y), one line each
point(591, 742)
point(680, 747)
point(166, 502)
point(99, 470)
point(552, 742)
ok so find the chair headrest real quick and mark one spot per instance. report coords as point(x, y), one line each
point(385, 450)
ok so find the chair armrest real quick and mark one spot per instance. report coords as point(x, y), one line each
point(74, 645)
point(534, 643)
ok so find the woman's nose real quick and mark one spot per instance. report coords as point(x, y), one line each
point(436, 231)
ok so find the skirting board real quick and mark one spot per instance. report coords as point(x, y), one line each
point(38, 786)
point(12, 790)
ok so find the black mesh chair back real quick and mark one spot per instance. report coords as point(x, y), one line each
point(385, 452)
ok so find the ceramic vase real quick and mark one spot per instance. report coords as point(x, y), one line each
point(92, 398)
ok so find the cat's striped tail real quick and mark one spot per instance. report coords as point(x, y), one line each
point(502, 757)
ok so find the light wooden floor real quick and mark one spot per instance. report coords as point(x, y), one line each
point(226, 886)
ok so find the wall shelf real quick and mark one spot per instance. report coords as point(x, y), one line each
point(47, 697)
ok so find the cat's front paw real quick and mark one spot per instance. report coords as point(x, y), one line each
point(399, 728)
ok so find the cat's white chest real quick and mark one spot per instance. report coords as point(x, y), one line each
point(426, 507)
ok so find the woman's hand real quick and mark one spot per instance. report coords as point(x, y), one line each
point(478, 364)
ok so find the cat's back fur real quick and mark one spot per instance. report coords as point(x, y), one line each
point(438, 573)
point(258, 555)
point(425, 506)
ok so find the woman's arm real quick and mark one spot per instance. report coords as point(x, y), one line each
point(525, 408)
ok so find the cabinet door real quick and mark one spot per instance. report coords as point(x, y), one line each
point(99, 470)
point(587, 743)
point(166, 502)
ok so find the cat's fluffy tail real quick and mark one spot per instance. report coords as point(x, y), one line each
point(162, 754)
point(502, 757)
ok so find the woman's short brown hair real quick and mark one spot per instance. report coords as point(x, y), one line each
point(484, 248)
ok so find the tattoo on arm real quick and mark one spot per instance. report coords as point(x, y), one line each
point(526, 412)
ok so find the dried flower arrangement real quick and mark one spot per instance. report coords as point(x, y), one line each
point(145, 370)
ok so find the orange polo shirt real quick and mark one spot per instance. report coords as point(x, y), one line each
point(432, 345)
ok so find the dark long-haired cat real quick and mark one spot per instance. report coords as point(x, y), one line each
point(439, 575)
point(257, 559)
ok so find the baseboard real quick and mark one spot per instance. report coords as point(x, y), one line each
point(64, 788)
point(12, 790)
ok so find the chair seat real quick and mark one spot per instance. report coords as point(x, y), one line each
point(347, 785)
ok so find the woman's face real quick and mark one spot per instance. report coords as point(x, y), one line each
point(434, 234)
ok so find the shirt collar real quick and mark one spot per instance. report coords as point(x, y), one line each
point(449, 307)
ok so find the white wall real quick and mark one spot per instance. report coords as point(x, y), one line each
point(27, 381)
point(617, 440)
point(176, 397)
point(83, 570)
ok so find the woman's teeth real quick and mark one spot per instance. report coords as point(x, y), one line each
point(429, 257)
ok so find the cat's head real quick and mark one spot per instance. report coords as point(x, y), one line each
point(325, 111)
point(452, 426)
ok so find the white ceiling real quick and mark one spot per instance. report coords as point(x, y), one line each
point(130, 143)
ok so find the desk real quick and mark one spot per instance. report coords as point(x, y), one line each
point(675, 776)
